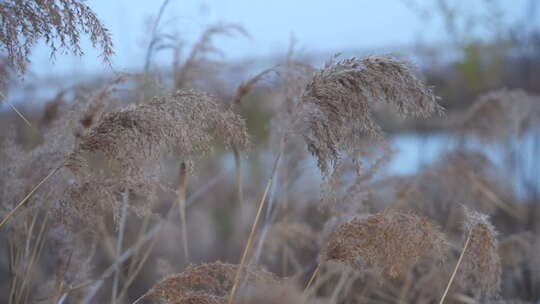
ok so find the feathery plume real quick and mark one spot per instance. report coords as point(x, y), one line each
point(338, 103)
point(187, 120)
point(214, 279)
point(479, 264)
point(59, 23)
point(390, 241)
point(481, 269)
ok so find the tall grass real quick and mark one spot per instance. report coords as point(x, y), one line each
point(94, 201)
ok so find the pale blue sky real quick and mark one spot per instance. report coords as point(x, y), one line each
point(319, 26)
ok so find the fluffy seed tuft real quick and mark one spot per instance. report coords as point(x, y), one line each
point(339, 101)
point(389, 241)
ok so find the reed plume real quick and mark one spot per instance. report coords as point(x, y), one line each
point(339, 101)
point(60, 23)
point(186, 122)
point(482, 265)
point(479, 265)
point(214, 280)
point(390, 242)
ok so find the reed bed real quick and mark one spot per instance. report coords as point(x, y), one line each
point(135, 190)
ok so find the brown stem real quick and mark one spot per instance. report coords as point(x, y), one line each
point(255, 224)
point(27, 197)
point(456, 268)
point(182, 185)
point(313, 276)
point(238, 166)
point(18, 113)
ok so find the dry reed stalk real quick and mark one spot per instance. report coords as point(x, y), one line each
point(64, 292)
point(94, 287)
point(256, 222)
point(182, 187)
point(154, 38)
point(2, 98)
point(344, 276)
point(133, 274)
point(462, 254)
point(30, 254)
point(238, 171)
point(284, 255)
point(35, 256)
point(27, 197)
point(119, 242)
point(314, 275)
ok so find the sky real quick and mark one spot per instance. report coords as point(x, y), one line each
point(318, 26)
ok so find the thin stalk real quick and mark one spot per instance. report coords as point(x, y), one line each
point(148, 235)
point(30, 232)
point(27, 197)
point(62, 298)
point(255, 223)
point(405, 288)
point(135, 259)
point(13, 262)
point(139, 299)
point(2, 97)
point(36, 256)
point(182, 185)
point(269, 218)
point(313, 276)
point(238, 168)
point(96, 285)
point(344, 276)
point(119, 241)
point(285, 256)
point(138, 268)
point(154, 38)
point(109, 246)
point(36, 251)
point(456, 268)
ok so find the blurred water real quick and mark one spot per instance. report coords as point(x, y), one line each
point(516, 159)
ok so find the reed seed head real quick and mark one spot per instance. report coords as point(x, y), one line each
point(481, 268)
point(60, 23)
point(186, 122)
point(338, 103)
point(390, 241)
point(214, 280)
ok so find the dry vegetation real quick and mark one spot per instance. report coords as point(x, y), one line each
point(124, 197)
